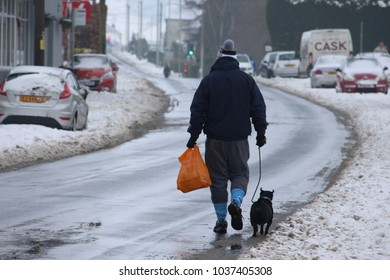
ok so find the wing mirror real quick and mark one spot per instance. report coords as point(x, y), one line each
point(114, 66)
point(84, 91)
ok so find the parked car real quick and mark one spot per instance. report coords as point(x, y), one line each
point(383, 58)
point(286, 64)
point(96, 71)
point(245, 63)
point(361, 75)
point(266, 67)
point(324, 72)
point(43, 95)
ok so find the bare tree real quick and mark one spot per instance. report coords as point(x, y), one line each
point(244, 21)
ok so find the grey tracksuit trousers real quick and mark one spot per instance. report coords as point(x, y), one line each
point(227, 161)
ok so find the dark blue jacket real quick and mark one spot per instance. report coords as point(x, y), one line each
point(225, 102)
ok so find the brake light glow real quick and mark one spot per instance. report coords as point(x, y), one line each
point(66, 93)
point(2, 91)
point(318, 72)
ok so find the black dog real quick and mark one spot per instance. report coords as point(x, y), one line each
point(262, 212)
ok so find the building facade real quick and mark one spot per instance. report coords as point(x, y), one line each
point(22, 38)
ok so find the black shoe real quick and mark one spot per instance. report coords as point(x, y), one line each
point(235, 212)
point(220, 226)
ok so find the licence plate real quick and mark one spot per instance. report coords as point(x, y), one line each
point(366, 86)
point(89, 83)
point(32, 99)
point(289, 65)
point(332, 73)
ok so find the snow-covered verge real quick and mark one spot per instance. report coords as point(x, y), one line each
point(351, 219)
point(113, 119)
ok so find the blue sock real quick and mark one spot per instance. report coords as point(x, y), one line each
point(220, 210)
point(237, 196)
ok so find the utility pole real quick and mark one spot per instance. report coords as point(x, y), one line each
point(159, 26)
point(169, 9)
point(39, 53)
point(202, 45)
point(139, 45)
point(361, 36)
point(180, 44)
point(127, 25)
point(102, 26)
point(141, 19)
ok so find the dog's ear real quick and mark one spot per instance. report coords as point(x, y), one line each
point(261, 189)
point(273, 191)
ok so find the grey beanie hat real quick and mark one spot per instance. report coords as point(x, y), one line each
point(228, 47)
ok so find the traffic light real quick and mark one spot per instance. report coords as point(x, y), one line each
point(190, 49)
point(185, 69)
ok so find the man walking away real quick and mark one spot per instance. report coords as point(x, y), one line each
point(223, 106)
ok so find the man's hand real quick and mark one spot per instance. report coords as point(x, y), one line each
point(191, 143)
point(261, 140)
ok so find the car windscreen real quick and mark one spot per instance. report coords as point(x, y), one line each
point(36, 83)
point(16, 75)
point(287, 56)
point(363, 63)
point(90, 62)
point(331, 59)
point(242, 58)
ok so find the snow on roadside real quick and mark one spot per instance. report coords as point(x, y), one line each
point(113, 119)
point(351, 219)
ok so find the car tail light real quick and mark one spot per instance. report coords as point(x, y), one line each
point(66, 93)
point(2, 91)
point(318, 72)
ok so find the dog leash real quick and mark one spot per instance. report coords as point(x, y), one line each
point(258, 183)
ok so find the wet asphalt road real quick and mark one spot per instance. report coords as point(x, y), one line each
point(122, 203)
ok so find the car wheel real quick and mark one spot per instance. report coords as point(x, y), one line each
point(85, 125)
point(308, 70)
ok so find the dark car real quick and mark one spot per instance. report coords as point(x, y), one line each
point(266, 68)
point(96, 71)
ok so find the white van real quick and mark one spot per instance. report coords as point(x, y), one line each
point(315, 43)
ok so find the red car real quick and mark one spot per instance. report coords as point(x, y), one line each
point(95, 71)
point(361, 75)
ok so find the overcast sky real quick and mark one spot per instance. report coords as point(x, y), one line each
point(117, 16)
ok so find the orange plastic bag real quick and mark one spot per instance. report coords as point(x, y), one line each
point(193, 172)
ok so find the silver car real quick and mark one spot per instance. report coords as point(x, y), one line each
point(245, 63)
point(286, 64)
point(324, 72)
point(43, 95)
